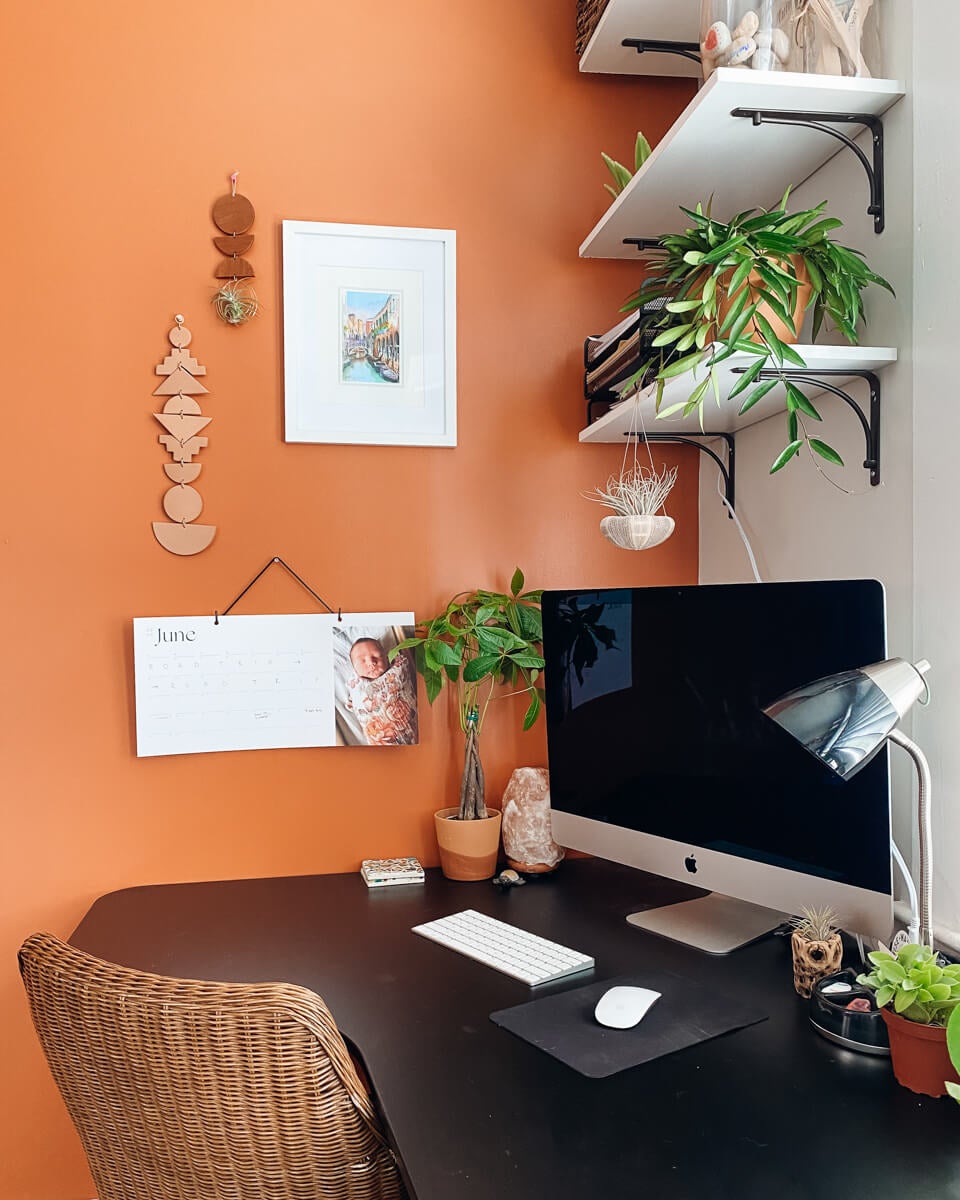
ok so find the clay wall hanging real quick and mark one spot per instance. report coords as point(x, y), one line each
point(235, 301)
point(182, 420)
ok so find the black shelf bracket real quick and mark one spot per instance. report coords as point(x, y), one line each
point(728, 469)
point(643, 243)
point(689, 50)
point(869, 421)
point(823, 121)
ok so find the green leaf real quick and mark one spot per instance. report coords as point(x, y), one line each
point(681, 365)
point(532, 661)
point(739, 277)
point(825, 451)
point(516, 583)
point(433, 682)
point(953, 1089)
point(530, 716)
point(443, 654)
point(674, 334)
point(791, 356)
point(747, 378)
point(735, 309)
point(694, 258)
point(641, 151)
point(781, 461)
point(480, 667)
point(884, 996)
point(801, 402)
point(733, 336)
point(758, 394)
point(773, 342)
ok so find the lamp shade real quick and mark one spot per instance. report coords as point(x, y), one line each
point(844, 719)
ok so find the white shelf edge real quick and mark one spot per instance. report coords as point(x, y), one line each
point(779, 155)
point(621, 419)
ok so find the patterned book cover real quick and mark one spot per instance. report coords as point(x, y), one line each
point(380, 872)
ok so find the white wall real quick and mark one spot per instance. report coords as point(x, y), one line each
point(937, 544)
point(801, 526)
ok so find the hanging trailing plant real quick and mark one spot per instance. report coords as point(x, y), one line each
point(739, 286)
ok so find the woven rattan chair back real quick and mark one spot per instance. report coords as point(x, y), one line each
point(183, 1090)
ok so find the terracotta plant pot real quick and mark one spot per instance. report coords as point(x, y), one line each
point(468, 849)
point(755, 283)
point(919, 1055)
point(812, 960)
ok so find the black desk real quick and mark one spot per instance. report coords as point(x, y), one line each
point(477, 1114)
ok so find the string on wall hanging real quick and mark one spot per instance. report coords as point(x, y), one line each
point(183, 420)
point(235, 300)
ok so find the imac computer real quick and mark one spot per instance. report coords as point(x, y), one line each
point(661, 757)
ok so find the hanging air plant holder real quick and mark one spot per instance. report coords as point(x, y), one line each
point(637, 495)
point(235, 300)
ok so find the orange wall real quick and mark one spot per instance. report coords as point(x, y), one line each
point(123, 121)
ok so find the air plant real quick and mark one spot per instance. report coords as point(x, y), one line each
point(635, 492)
point(236, 302)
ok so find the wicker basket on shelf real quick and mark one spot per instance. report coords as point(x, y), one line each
point(589, 13)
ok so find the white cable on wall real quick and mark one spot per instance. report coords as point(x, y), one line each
point(743, 535)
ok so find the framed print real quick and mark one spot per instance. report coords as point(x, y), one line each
point(369, 334)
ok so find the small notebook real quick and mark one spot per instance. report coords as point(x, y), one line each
point(384, 872)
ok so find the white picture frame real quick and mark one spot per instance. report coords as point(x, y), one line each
point(369, 334)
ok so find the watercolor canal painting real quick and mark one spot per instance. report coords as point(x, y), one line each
point(370, 338)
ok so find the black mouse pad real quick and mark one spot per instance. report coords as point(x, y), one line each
point(686, 1013)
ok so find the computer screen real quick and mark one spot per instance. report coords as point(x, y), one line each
point(660, 755)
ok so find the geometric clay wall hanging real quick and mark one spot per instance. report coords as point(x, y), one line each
point(182, 420)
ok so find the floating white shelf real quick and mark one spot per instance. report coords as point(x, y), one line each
point(662, 20)
point(622, 419)
point(707, 151)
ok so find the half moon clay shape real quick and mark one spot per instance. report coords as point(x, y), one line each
point(183, 539)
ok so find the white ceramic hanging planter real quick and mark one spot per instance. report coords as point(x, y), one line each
point(636, 496)
point(636, 533)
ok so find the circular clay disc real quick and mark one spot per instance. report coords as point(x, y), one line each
point(179, 336)
point(182, 503)
point(233, 214)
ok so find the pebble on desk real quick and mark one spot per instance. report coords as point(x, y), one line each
point(508, 878)
point(861, 1004)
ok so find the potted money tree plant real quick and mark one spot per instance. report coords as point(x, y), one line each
point(483, 646)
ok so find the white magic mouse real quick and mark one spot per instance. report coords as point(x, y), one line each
point(624, 1007)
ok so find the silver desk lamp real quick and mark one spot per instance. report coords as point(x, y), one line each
point(844, 719)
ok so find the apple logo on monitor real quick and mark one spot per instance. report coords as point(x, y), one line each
point(690, 862)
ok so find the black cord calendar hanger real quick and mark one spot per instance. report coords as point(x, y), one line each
point(263, 570)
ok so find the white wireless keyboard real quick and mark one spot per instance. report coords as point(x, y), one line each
point(515, 952)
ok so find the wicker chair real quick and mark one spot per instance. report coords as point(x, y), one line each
point(182, 1090)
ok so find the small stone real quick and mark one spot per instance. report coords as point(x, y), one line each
point(836, 989)
point(749, 24)
point(764, 60)
point(775, 40)
point(861, 1004)
point(742, 52)
point(717, 40)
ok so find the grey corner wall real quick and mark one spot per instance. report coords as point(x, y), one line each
point(904, 532)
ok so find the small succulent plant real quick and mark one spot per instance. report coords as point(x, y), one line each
point(915, 984)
